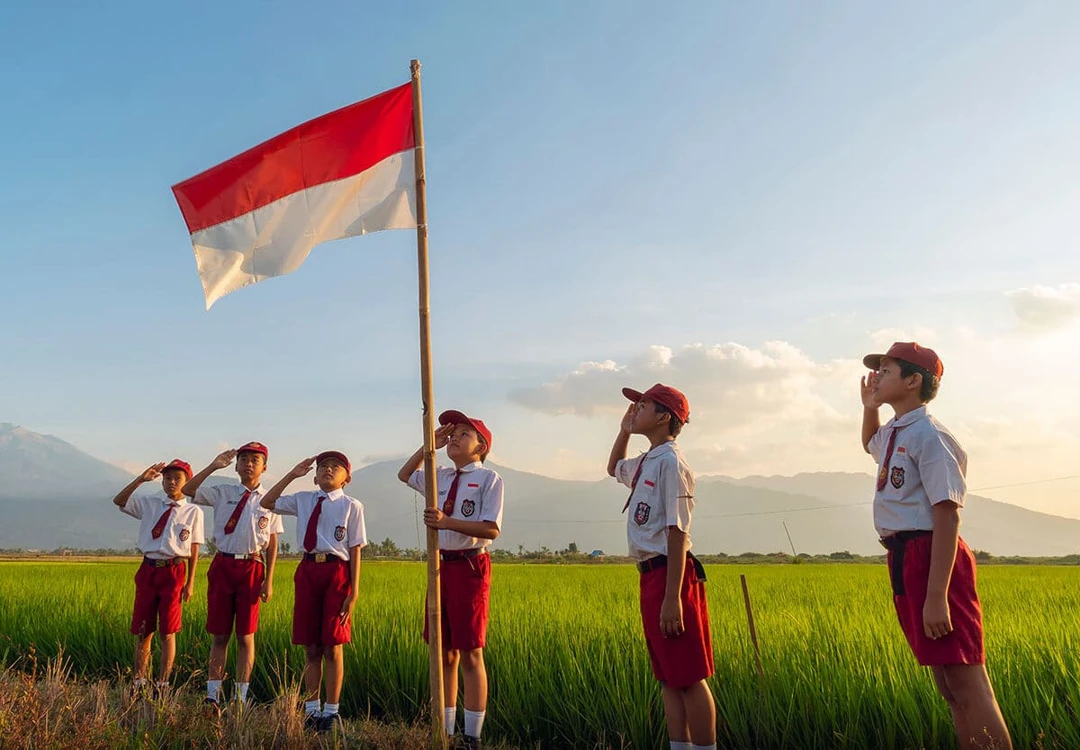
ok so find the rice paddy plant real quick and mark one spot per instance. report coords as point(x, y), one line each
point(567, 662)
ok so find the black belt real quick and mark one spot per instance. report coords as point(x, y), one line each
point(322, 557)
point(461, 554)
point(168, 562)
point(660, 561)
point(897, 544)
point(233, 556)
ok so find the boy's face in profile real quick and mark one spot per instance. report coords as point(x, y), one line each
point(172, 480)
point(250, 466)
point(331, 475)
point(464, 444)
point(889, 386)
point(646, 417)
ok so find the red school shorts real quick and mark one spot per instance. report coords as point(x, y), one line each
point(233, 590)
point(465, 592)
point(686, 659)
point(964, 645)
point(157, 598)
point(321, 589)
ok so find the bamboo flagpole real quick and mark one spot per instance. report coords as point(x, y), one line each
point(434, 603)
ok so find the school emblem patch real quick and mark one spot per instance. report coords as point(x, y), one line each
point(468, 508)
point(641, 513)
point(339, 532)
point(184, 535)
point(897, 477)
point(263, 523)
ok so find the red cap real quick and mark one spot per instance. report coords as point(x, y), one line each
point(334, 454)
point(456, 417)
point(254, 447)
point(666, 396)
point(183, 466)
point(909, 351)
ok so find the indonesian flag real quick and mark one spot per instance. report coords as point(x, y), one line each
point(259, 214)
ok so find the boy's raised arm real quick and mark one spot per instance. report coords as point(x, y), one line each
point(269, 500)
point(871, 421)
point(223, 459)
point(149, 475)
point(416, 460)
point(622, 440)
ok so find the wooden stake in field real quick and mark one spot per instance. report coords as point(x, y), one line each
point(753, 630)
point(434, 603)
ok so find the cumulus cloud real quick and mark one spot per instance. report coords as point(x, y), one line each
point(773, 403)
point(1046, 308)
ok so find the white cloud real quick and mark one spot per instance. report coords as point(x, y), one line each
point(1046, 308)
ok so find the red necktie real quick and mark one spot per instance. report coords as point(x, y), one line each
point(883, 475)
point(159, 527)
point(451, 496)
point(230, 525)
point(633, 484)
point(311, 536)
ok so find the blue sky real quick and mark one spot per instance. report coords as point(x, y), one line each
point(661, 193)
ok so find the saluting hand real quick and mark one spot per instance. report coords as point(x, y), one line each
point(867, 391)
point(303, 468)
point(224, 459)
point(442, 436)
point(937, 623)
point(435, 518)
point(628, 418)
point(152, 472)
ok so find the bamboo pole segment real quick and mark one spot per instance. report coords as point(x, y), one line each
point(434, 604)
point(753, 630)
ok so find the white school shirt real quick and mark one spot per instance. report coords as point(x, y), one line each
point(341, 522)
point(927, 467)
point(479, 498)
point(255, 525)
point(664, 497)
point(184, 527)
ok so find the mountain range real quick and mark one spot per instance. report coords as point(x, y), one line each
point(54, 495)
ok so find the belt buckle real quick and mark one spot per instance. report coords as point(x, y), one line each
point(161, 563)
point(320, 557)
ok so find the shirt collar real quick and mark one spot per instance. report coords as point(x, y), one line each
point(257, 491)
point(166, 500)
point(333, 495)
point(470, 467)
point(911, 417)
point(665, 447)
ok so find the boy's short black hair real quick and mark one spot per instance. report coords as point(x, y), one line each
point(930, 381)
point(674, 425)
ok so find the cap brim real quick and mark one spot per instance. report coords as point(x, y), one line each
point(452, 416)
point(631, 394)
point(873, 361)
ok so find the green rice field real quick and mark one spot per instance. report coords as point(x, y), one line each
point(567, 662)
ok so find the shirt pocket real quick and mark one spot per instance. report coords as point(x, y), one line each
point(645, 502)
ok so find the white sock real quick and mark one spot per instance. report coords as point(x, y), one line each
point(312, 708)
point(450, 719)
point(329, 709)
point(676, 745)
point(162, 684)
point(213, 689)
point(140, 682)
point(702, 747)
point(474, 722)
point(241, 691)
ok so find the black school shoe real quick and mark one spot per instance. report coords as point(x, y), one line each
point(468, 742)
point(330, 722)
point(211, 706)
point(311, 722)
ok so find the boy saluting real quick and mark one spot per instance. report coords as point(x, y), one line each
point(170, 533)
point(240, 575)
point(672, 589)
point(330, 530)
point(921, 487)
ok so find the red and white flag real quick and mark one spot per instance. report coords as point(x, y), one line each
point(259, 214)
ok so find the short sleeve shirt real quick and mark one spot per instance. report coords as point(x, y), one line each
point(479, 498)
point(252, 532)
point(927, 467)
point(341, 521)
point(663, 496)
point(183, 527)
